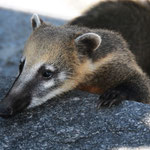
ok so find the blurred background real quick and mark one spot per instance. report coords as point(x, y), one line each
point(64, 9)
point(15, 25)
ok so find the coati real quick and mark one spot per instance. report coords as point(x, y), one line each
point(59, 59)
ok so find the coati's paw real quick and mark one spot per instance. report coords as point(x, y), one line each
point(110, 97)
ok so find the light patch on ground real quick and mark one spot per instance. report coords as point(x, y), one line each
point(137, 148)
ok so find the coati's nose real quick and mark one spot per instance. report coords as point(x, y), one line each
point(5, 111)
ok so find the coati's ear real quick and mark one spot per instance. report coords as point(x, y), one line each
point(36, 21)
point(88, 42)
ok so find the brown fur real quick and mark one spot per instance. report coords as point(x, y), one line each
point(121, 77)
point(109, 70)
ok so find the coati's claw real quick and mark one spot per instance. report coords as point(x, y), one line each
point(109, 98)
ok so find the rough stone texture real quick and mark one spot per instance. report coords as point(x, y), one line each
point(70, 122)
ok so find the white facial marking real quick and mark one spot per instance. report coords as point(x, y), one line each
point(62, 76)
point(38, 101)
point(23, 58)
point(69, 85)
point(49, 84)
point(21, 61)
point(50, 67)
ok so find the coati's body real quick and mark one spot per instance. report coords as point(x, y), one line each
point(131, 19)
point(59, 59)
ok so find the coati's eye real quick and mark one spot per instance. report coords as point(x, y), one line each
point(47, 74)
point(22, 62)
point(47, 71)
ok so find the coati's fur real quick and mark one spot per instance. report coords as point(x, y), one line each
point(111, 68)
point(131, 19)
point(59, 59)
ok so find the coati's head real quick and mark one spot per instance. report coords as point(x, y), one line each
point(54, 61)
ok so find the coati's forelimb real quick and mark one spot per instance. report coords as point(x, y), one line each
point(136, 91)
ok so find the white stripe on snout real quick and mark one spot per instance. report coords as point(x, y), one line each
point(62, 76)
point(49, 84)
point(38, 101)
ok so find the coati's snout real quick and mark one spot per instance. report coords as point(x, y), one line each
point(33, 86)
point(54, 61)
point(5, 109)
point(11, 105)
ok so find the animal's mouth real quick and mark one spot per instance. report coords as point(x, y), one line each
point(11, 107)
point(6, 112)
point(20, 108)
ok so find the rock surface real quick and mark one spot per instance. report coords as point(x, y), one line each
point(70, 122)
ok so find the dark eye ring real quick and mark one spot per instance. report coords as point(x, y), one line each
point(47, 74)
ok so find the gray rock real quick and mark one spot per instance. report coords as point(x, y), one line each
point(70, 122)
